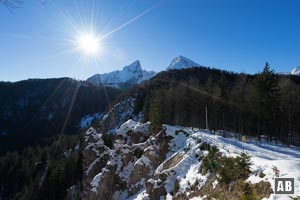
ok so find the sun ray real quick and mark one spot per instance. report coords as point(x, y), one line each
point(131, 20)
point(107, 97)
point(85, 37)
point(70, 108)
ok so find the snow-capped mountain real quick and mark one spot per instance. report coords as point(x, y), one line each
point(181, 62)
point(296, 71)
point(134, 74)
point(131, 74)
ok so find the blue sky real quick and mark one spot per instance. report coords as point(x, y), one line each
point(233, 35)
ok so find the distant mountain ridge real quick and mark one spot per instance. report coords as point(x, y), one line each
point(134, 74)
point(129, 75)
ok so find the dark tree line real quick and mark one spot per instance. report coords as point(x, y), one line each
point(262, 104)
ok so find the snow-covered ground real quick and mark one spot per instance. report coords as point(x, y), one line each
point(181, 162)
point(266, 158)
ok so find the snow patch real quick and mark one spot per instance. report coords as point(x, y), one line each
point(96, 180)
point(87, 120)
point(134, 126)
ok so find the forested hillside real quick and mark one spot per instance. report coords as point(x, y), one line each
point(57, 166)
point(262, 104)
point(39, 108)
point(42, 172)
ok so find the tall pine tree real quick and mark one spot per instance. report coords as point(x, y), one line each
point(265, 100)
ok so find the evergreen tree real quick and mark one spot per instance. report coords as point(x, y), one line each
point(244, 164)
point(265, 100)
point(156, 112)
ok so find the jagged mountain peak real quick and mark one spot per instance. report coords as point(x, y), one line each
point(130, 74)
point(181, 62)
point(296, 71)
point(135, 66)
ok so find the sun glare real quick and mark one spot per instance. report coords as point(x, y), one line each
point(88, 39)
point(89, 44)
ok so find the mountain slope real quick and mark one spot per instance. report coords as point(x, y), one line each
point(33, 109)
point(134, 74)
point(181, 62)
point(131, 74)
point(170, 164)
point(120, 158)
point(296, 71)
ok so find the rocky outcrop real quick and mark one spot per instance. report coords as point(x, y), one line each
point(136, 161)
point(140, 165)
point(155, 189)
point(95, 154)
point(117, 115)
point(112, 173)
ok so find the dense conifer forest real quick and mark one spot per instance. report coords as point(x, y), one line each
point(262, 104)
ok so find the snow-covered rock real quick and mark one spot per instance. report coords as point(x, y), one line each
point(181, 62)
point(134, 126)
point(145, 165)
point(296, 71)
point(131, 74)
point(118, 114)
point(87, 120)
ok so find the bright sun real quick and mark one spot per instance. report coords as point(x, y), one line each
point(89, 44)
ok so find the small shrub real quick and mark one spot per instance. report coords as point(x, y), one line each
point(204, 146)
point(235, 168)
point(230, 170)
point(213, 196)
point(196, 183)
point(261, 175)
point(249, 193)
point(244, 164)
point(176, 187)
point(211, 162)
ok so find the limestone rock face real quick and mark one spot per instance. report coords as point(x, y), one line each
point(135, 161)
point(122, 160)
point(124, 169)
point(155, 189)
point(117, 115)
